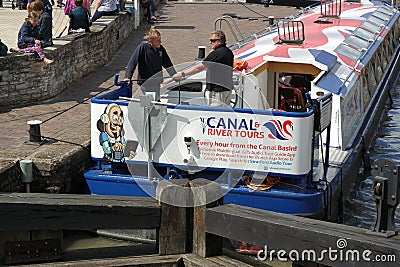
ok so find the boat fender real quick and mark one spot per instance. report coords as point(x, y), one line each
point(173, 174)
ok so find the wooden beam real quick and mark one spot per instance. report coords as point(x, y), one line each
point(194, 260)
point(174, 231)
point(299, 68)
point(288, 232)
point(148, 260)
point(206, 193)
point(33, 211)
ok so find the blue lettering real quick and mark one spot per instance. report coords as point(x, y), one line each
point(252, 126)
point(209, 122)
point(232, 124)
point(221, 123)
point(243, 125)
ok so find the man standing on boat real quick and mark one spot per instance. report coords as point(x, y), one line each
point(219, 65)
point(151, 57)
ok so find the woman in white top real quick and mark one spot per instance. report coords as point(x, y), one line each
point(104, 8)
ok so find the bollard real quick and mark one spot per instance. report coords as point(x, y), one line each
point(202, 52)
point(34, 131)
point(26, 173)
point(271, 20)
point(386, 192)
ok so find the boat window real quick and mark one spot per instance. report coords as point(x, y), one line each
point(373, 82)
point(366, 91)
point(364, 34)
point(189, 87)
point(391, 42)
point(348, 52)
point(356, 42)
point(385, 53)
point(372, 27)
point(380, 65)
point(376, 20)
point(381, 14)
point(385, 11)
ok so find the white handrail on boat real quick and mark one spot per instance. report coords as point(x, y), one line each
point(244, 41)
point(152, 102)
point(226, 18)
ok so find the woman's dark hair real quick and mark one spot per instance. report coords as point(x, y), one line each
point(78, 2)
point(37, 5)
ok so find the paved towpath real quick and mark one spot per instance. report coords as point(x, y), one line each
point(183, 26)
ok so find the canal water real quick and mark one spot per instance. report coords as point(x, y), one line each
point(360, 207)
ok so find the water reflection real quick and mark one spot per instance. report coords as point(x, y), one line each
point(82, 245)
point(74, 240)
point(360, 207)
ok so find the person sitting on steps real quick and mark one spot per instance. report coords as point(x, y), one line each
point(79, 18)
point(104, 8)
point(147, 5)
point(27, 41)
point(45, 27)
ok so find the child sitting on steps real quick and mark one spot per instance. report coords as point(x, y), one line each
point(27, 38)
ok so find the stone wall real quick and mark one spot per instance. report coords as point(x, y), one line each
point(24, 79)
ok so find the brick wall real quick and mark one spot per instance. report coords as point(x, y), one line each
point(25, 79)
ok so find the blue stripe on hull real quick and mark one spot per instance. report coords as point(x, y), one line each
point(274, 200)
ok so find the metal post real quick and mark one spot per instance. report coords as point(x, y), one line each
point(145, 102)
point(271, 20)
point(26, 173)
point(202, 52)
point(386, 192)
point(137, 13)
point(34, 131)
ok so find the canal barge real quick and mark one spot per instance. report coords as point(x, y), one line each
point(291, 147)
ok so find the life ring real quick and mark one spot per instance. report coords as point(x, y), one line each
point(267, 183)
point(240, 64)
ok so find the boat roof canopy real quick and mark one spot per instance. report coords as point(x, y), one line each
point(312, 61)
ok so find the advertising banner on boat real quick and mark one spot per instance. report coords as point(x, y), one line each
point(241, 141)
point(203, 138)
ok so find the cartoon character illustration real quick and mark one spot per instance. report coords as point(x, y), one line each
point(111, 130)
